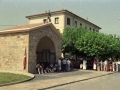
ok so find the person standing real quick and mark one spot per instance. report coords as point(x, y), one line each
point(84, 64)
point(59, 64)
point(113, 65)
point(81, 65)
point(71, 64)
point(64, 64)
point(101, 65)
point(110, 65)
point(118, 65)
point(68, 65)
point(106, 65)
point(95, 65)
point(98, 65)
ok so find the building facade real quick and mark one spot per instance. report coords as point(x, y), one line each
point(63, 18)
point(41, 41)
point(40, 38)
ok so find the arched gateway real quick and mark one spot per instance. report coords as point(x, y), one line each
point(42, 43)
point(46, 50)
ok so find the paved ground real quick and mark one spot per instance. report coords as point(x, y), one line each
point(60, 75)
point(109, 82)
point(47, 81)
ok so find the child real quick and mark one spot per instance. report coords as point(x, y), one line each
point(51, 67)
point(81, 66)
point(38, 67)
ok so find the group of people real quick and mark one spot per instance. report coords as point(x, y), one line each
point(66, 64)
point(107, 65)
point(40, 68)
point(63, 64)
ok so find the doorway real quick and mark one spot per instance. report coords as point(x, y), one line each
point(46, 51)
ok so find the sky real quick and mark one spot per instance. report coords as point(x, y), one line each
point(103, 13)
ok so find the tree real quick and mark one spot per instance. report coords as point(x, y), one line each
point(79, 40)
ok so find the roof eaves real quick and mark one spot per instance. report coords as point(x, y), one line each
point(14, 30)
point(64, 10)
point(37, 15)
point(39, 26)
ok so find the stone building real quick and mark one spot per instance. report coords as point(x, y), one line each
point(42, 43)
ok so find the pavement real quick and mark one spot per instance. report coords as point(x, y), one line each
point(50, 80)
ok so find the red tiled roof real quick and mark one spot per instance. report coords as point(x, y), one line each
point(25, 26)
point(28, 27)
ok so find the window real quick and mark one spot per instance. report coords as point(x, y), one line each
point(81, 24)
point(85, 27)
point(68, 21)
point(76, 23)
point(57, 20)
point(44, 20)
point(93, 30)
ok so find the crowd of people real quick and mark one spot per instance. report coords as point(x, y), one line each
point(66, 65)
point(107, 65)
point(62, 65)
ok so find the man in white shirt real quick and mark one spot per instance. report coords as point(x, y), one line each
point(105, 65)
point(118, 65)
point(68, 65)
point(84, 64)
point(113, 65)
point(59, 64)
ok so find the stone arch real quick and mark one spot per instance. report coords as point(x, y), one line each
point(45, 50)
point(46, 35)
point(34, 37)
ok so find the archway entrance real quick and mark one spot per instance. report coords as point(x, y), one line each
point(46, 51)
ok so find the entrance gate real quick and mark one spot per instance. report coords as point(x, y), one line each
point(45, 56)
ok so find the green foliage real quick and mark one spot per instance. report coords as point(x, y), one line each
point(82, 41)
point(69, 40)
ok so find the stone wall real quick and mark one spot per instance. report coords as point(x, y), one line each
point(12, 48)
point(34, 37)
